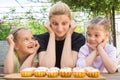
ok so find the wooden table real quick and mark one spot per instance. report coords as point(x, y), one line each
point(17, 76)
point(115, 76)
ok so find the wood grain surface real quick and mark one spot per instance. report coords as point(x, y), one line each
point(17, 76)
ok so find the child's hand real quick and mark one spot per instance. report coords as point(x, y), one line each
point(37, 46)
point(92, 47)
point(48, 27)
point(10, 40)
point(72, 27)
point(102, 44)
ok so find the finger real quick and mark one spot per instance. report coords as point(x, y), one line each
point(47, 24)
point(73, 23)
point(11, 36)
point(91, 46)
point(37, 44)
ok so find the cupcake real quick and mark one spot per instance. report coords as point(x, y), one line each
point(65, 72)
point(53, 72)
point(40, 72)
point(87, 69)
point(94, 73)
point(27, 72)
point(78, 72)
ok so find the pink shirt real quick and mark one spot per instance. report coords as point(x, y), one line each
point(85, 51)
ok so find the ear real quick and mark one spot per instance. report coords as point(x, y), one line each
point(16, 47)
point(107, 34)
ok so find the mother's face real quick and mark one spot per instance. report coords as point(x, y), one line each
point(60, 25)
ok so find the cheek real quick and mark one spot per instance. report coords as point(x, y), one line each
point(88, 38)
point(100, 40)
point(66, 27)
point(54, 28)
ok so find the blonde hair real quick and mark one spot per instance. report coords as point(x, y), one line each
point(15, 32)
point(100, 21)
point(60, 8)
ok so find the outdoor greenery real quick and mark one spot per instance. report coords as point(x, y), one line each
point(27, 19)
point(12, 20)
point(106, 8)
point(93, 7)
point(4, 30)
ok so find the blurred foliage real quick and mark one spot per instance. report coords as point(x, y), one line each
point(36, 27)
point(36, 24)
point(4, 30)
point(93, 7)
point(27, 19)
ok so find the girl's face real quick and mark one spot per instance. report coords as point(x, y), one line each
point(25, 42)
point(96, 35)
point(60, 25)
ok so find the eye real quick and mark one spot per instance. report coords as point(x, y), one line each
point(33, 38)
point(26, 39)
point(88, 34)
point(54, 23)
point(97, 35)
point(64, 23)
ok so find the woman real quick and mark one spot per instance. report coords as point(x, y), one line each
point(60, 46)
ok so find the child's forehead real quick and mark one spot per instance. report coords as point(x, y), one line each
point(24, 32)
point(95, 30)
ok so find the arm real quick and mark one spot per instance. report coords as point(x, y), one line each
point(109, 64)
point(9, 62)
point(47, 58)
point(68, 57)
point(90, 59)
point(29, 61)
point(84, 57)
point(93, 54)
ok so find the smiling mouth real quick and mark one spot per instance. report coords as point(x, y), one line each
point(30, 47)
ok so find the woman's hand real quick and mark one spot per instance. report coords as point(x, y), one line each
point(48, 27)
point(72, 27)
point(10, 40)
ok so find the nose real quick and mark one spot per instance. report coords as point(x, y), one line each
point(31, 40)
point(92, 38)
point(60, 28)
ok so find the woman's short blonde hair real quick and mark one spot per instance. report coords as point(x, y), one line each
point(60, 8)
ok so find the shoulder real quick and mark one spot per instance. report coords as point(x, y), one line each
point(84, 48)
point(77, 35)
point(78, 38)
point(110, 48)
point(42, 36)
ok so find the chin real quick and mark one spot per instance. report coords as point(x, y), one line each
point(61, 36)
point(30, 52)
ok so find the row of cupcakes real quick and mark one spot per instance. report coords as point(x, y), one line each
point(63, 72)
